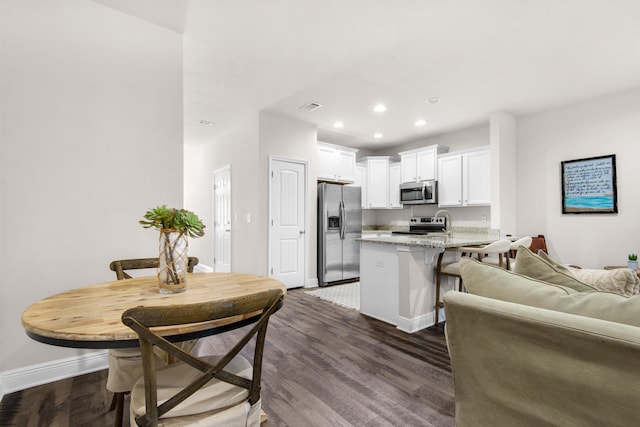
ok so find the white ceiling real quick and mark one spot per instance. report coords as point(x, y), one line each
point(516, 56)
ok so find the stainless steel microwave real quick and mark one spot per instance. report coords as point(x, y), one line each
point(419, 193)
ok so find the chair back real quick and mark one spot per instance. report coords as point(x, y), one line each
point(523, 241)
point(249, 310)
point(121, 266)
point(538, 243)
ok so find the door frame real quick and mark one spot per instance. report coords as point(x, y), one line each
point(213, 186)
point(305, 165)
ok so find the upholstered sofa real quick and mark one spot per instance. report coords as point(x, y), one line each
point(531, 352)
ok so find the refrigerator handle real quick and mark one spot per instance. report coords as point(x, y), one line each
point(343, 221)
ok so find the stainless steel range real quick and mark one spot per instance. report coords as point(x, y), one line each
point(424, 225)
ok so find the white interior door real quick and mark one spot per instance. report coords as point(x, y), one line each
point(222, 220)
point(287, 237)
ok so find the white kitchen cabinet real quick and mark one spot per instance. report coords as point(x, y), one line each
point(335, 163)
point(375, 190)
point(464, 178)
point(395, 178)
point(421, 164)
point(360, 180)
point(377, 182)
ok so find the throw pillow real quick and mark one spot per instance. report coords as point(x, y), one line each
point(491, 281)
point(621, 281)
point(532, 265)
point(494, 282)
point(542, 254)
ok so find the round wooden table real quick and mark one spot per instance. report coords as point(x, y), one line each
point(90, 317)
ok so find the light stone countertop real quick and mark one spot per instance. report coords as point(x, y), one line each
point(453, 241)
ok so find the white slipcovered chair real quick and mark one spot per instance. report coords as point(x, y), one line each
point(510, 255)
point(125, 364)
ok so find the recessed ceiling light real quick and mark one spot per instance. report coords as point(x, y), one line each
point(207, 122)
point(377, 135)
point(338, 125)
point(420, 122)
point(379, 108)
point(434, 100)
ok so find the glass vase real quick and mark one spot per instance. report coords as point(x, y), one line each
point(174, 258)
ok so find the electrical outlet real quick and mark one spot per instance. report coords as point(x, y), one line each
point(248, 217)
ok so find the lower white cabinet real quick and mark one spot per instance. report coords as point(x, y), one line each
point(464, 178)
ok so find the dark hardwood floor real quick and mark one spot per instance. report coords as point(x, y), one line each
point(324, 366)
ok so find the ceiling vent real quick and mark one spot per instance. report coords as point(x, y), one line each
point(310, 106)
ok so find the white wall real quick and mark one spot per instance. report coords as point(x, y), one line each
point(606, 125)
point(91, 131)
point(247, 148)
point(237, 147)
point(291, 139)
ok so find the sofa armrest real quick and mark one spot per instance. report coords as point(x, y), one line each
point(519, 365)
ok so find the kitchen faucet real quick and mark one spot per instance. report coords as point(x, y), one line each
point(447, 225)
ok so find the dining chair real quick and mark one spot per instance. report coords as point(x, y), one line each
point(125, 364)
point(452, 269)
point(539, 243)
point(222, 389)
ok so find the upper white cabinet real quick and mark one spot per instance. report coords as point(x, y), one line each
point(421, 164)
point(395, 179)
point(336, 163)
point(361, 181)
point(377, 182)
point(464, 178)
point(379, 179)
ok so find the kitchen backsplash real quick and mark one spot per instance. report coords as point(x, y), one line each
point(393, 218)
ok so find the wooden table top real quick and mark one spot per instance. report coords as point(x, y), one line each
point(90, 317)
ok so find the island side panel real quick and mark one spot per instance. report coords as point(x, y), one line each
point(416, 290)
point(379, 287)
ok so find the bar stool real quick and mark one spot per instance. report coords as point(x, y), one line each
point(452, 269)
point(511, 253)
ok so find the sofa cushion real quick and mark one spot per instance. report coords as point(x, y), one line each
point(494, 282)
point(534, 266)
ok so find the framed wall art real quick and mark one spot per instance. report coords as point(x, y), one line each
point(589, 186)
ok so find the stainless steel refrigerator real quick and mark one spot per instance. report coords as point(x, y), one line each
point(339, 225)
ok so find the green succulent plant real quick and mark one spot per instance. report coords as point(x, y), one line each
point(182, 220)
point(175, 220)
point(633, 257)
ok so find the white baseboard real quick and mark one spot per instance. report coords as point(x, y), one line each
point(311, 283)
point(43, 373)
point(201, 268)
point(416, 323)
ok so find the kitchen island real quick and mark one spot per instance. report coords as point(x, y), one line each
point(397, 275)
